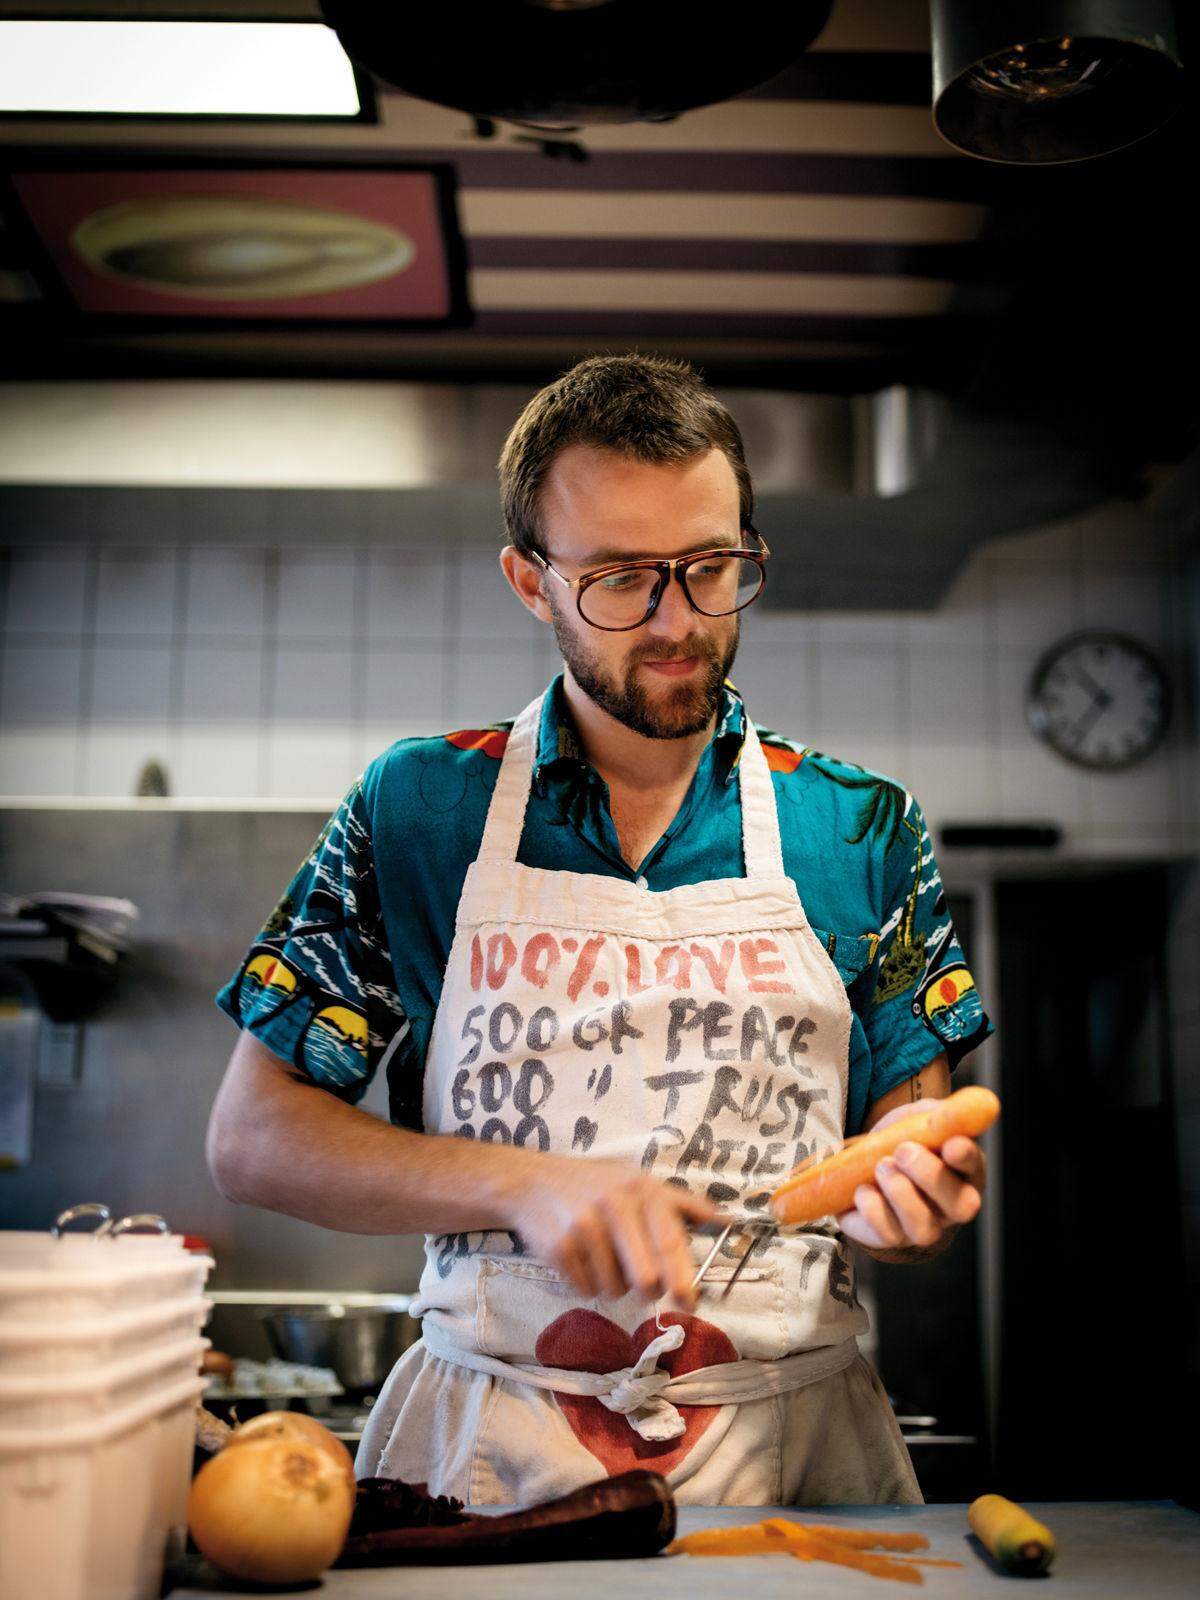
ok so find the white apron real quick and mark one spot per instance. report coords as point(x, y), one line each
point(702, 1035)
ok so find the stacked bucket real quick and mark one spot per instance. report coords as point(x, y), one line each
point(100, 1350)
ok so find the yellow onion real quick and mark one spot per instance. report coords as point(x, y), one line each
point(275, 1511)
point(294, 1425)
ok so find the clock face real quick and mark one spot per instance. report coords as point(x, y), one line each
point(1100, 699)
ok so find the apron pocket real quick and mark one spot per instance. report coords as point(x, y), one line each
point(514, 1301)
point(752, 1317)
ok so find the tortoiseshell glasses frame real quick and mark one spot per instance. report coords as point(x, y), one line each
point(664, 571)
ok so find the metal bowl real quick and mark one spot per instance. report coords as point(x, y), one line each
point(361, 1343)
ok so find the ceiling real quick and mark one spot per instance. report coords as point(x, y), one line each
point(814, 234)
point(816, 228)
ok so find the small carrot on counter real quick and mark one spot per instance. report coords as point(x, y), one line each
point(827, 1187)
point(1019, 1542)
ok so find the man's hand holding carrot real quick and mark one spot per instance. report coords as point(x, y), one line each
point(919, 1197)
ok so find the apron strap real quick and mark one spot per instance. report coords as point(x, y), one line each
point(762, 848)
point(646, 1396)
point(506, 812)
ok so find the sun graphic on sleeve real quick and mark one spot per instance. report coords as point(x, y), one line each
point(268, 973)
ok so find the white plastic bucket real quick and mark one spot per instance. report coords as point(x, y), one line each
point(50, 1348)
point(43, 1278)
point(91, 1510)
point(31, 1400)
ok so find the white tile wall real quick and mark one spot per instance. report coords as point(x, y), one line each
point(225, 592)
point(221, 684)
point(493, 681)
point(217, 761)
point(310, 763)
point(404, 691)
point(316, 595)
point(1128, 597)
point(131, 683)
point(407, 596)
point(312, 684)
point(779, 683)
point(42, 682)
point(41, 761)
point(278, 673)
point(46, 591)
point(137, 592)
point(1035, 603)
point(487, 607)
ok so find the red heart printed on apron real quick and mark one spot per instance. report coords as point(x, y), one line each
point(582, 1340)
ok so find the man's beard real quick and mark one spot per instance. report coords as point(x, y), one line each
point(686, 708)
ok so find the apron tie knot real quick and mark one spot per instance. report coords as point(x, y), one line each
point(636, 1392)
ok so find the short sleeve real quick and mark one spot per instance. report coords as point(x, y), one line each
point(923, 1000)
point(317, 985)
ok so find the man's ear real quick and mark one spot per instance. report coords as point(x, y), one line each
point(525, 580)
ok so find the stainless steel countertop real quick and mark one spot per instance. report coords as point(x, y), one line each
point(1107, 1550)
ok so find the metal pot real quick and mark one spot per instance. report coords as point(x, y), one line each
point(360, 1343)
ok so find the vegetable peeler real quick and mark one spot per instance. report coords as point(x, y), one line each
point(756, 1230)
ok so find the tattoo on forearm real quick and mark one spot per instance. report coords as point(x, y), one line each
point(914, 1087)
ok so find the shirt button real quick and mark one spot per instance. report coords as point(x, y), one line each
point(642, 884)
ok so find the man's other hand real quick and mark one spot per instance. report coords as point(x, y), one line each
point(609, 1229)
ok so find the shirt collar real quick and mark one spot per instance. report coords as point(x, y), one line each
point(560, 756)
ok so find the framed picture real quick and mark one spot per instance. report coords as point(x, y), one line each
point(125, 241)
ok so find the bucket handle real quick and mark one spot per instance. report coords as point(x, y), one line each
point(139, 1222)
point(102, 1224)
point(91, 1211)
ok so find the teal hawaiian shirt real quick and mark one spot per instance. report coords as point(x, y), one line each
point(347, 973)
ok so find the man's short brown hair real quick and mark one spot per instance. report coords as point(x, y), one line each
point(649, 407)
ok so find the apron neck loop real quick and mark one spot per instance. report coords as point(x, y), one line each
point(506, 813)
point(762, 848)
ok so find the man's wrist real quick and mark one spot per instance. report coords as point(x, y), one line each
point(504, 1182)
point(913, 1254)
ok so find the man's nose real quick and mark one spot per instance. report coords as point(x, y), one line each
point(673, 616)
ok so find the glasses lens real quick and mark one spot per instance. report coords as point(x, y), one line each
point(620, 599)
point(721, 584)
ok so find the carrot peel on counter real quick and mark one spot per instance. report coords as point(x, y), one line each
point(826, 1188)
point(843, 1547)
point(856, 1538)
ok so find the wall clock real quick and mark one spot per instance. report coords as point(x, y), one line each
point(1100, 699)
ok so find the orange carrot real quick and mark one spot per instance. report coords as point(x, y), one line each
point(827, 1188)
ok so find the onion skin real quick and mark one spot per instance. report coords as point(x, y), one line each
point(271, 1511)
point(295, 1425)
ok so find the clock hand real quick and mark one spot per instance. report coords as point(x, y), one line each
point(1089, 717)
point(1099, 694)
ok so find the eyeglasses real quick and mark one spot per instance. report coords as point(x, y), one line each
point(624, 595)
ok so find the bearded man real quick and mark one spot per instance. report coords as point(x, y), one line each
point(626, 961)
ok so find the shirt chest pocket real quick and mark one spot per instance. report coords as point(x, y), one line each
point(850, 953)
